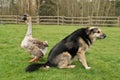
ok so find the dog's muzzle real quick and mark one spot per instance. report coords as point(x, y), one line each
point(102, 36)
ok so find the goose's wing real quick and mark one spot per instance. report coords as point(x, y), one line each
point(38, 48)
point(37, 42)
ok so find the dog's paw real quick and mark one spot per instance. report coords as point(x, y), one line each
point(80, 60)
point(87, 68)
point(72, 66)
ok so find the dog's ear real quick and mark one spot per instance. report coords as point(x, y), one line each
point(91, 29)
point(94, 30)
point(87, 31)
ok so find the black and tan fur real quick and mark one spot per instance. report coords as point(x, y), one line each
point(73, 45)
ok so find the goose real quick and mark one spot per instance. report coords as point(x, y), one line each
point(32, 45)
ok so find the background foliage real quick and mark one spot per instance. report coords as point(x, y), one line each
point(71, 8)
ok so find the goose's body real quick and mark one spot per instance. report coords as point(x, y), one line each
point(32, 45)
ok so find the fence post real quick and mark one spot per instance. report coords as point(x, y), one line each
point(90, 21)
point(72, 21)
point(62, 20)
point(58, 20)
point(38, 20)
point(16, 19)
point(0, 19)
point(119, 21)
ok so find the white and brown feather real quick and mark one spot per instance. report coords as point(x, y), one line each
point(34, 46)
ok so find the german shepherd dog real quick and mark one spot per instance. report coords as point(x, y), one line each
point(73, 45)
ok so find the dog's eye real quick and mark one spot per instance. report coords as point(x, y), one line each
point(98, 31)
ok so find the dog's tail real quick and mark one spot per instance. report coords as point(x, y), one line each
point(34, 67)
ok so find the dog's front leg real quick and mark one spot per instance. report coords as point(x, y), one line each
point(82, 58)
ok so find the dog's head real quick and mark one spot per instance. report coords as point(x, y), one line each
point(95, 33)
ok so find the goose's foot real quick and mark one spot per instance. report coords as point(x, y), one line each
point(35, 59)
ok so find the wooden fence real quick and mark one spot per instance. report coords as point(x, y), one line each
point(62, 20)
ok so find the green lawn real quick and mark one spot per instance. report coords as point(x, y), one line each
point(103, 56)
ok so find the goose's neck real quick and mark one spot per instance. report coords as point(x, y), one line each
point(29, 29)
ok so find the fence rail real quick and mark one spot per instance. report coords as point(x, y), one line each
point(63, 20)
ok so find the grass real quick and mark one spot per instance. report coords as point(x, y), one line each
point(103, 57)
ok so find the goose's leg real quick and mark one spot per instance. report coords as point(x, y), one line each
point(35, 59)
